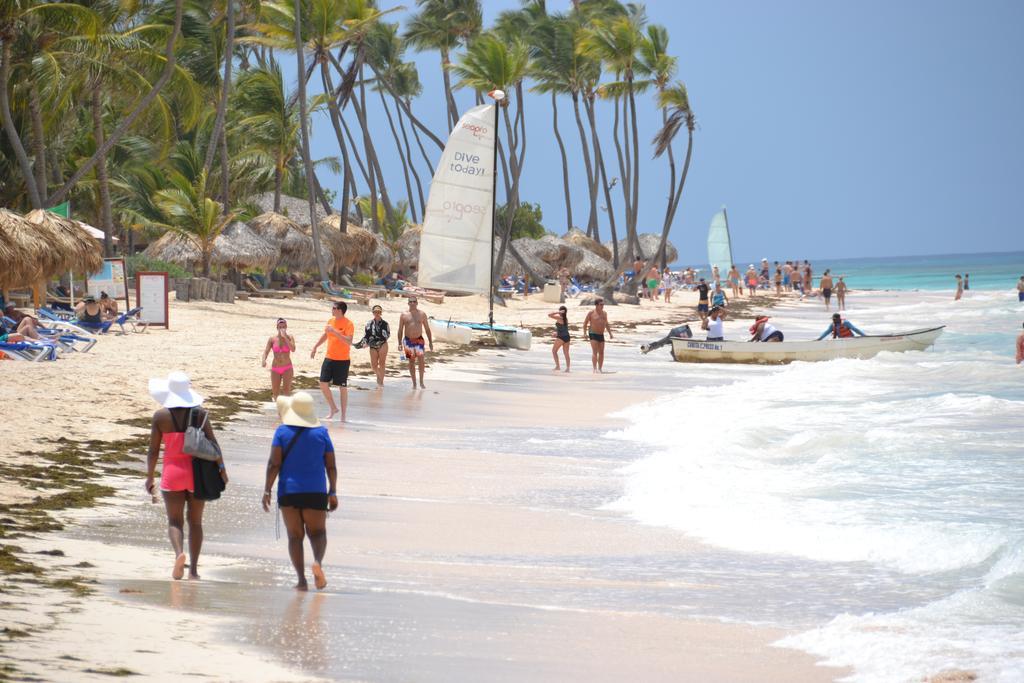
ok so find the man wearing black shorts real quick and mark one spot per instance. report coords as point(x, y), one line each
point(338, 335)
point(702, 300)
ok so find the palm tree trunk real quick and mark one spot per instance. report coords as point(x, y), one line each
point(225, 172)
point(671, 192)
point(511, 204)
point(278, 182)
point(38, 141)
point(336, 120)
point(636, 161)
point(419, 142)
point(611, 208)
point(627, 184)
point(222, 104)
point(592, 219)
point(588, 105)
point(371, 150)
point(401, 156)
point(12, 133)
point(623, 178)
point(126, 123)
point(407, 108)
point(565, 162)
point(412, 165)
point(453, 111)
point(301, 68)
point(355, 151)
point(103, 181)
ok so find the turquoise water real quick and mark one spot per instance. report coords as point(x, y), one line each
point(992, 271)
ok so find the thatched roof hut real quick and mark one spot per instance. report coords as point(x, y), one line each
point(357, 248)
point(648, 245)
point(293, 243)
point(238, 246)
point(579, 238)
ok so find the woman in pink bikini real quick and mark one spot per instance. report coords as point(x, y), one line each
point(178, 402)
point(282, 344)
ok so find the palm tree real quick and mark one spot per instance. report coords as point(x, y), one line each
point(492, 64)
point(616, 43)
point(269, 120)
point(676, 102)
point(186, 207)
point(443, 25)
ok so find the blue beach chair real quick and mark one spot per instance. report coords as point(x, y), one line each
point(30, 351)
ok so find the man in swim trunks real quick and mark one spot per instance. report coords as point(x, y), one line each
point(826, 289)
point(702, 299)
point(653, 278)
point(595, 326)
point(411, 327)
point(338, 335)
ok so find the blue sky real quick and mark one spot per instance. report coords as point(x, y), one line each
point(829, 129)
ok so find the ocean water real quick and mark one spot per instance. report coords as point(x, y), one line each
point(894, 486)
point(993, 271)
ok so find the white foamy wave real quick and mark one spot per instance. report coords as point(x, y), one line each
point(842, 461)
point(971, 631)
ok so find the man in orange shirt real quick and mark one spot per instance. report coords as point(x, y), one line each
point(338, 335)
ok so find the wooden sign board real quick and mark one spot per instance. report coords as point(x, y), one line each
point(152, 293)
point(112, 279)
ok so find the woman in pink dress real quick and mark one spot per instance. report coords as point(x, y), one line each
point(179, 404)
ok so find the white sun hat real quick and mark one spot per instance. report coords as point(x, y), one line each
point(298, 410)
point(175, 391)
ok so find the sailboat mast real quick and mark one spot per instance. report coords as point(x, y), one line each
point(494, 211)
point(728, 236)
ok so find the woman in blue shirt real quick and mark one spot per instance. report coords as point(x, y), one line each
point(302, 456)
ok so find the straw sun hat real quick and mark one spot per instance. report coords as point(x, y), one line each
point(175, 391)
point(298, 410)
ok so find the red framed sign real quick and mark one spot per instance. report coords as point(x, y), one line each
point(152, 291)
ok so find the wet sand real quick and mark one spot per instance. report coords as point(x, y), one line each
point(455, 554)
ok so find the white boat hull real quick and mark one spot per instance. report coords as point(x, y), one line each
point(773, 353)
point(518, 338)
point(450, 332)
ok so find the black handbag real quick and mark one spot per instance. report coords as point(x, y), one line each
point(207, 484)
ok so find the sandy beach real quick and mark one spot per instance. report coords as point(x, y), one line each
point(451, 554)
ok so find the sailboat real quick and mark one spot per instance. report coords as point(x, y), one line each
point(719, 246)
point(457, 243)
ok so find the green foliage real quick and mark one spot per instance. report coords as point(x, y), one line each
point(140, 262)
point(526, 222)
point(364, 279)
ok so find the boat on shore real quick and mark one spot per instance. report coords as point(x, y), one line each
point(775, 353)
point(458, 332)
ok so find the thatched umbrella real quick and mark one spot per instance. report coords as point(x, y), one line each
point(530, 250)
point(295, 208)
point(649, 245)
point(593, 268)
point(24, 252)
point(71, 247)
point(409, 247)
point(295, 246)
point(563, 253)
point(580, 239)
point(238, 246)
point(355, 249)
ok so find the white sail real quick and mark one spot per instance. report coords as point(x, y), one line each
point(455, 247)
point(719, 247)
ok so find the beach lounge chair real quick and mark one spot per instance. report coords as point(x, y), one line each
point(30, 351)
point(432, 295)
point(66, 339)
point(131, 318)
point(325, 285)
point(59, 320)
point(253, 290)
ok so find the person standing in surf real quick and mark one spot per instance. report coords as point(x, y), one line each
point(562, 337)
point(702, 299)
point(303, 455)
point(841, 290)
point(1020, 288)
point(826, 289)
point(411, 327)
point(967, 281)
point(959, 288)
point(375, 336)
point(177, 482)
point(281, 371)
point(595, 326)
point(734, 281)
point(1020, 345)
point(338, 334)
